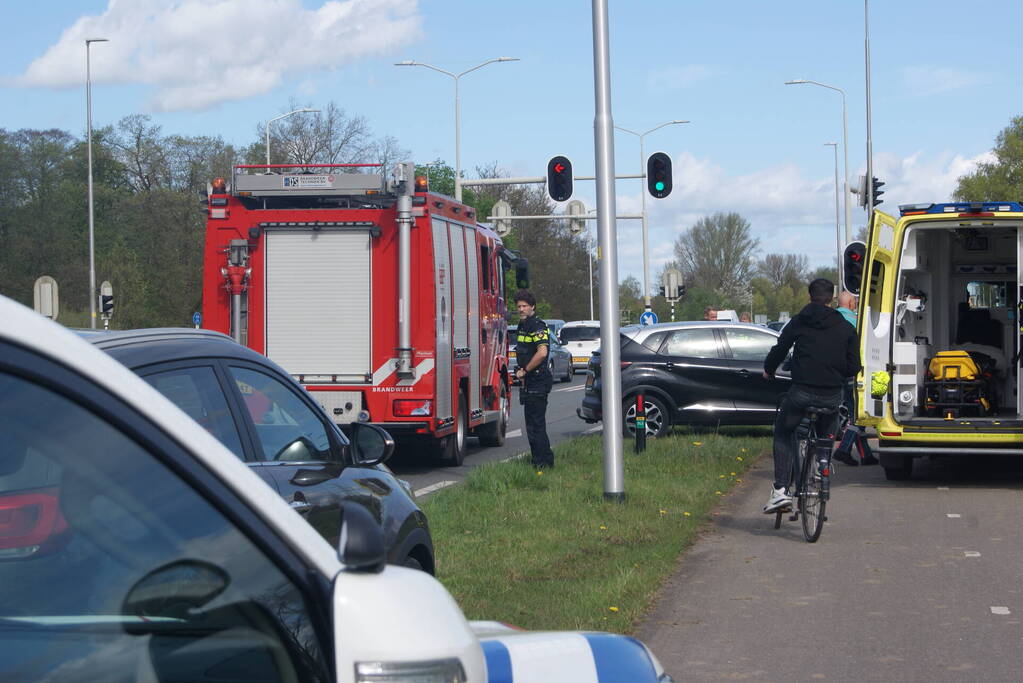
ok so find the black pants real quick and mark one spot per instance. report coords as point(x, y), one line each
point(800, 397)
point(534, 408)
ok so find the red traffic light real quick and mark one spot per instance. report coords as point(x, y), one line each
point(559, 178)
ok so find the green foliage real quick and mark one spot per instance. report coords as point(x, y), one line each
point(717, 252)
point(1001, 179)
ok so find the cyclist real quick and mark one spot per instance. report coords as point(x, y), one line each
point(826, 354)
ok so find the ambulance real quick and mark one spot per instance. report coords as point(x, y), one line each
point(939, 331)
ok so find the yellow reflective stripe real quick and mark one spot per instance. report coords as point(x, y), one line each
point(530, 338)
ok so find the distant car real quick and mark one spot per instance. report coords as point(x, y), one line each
point(692, 373)
point(272, 424)
point(554, 325)
point(582, 338)
point(560, 357)
point(777, 325)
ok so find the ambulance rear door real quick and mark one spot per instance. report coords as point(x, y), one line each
point(877, 301)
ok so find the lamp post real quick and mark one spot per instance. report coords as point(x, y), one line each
point(838, 233)
point(845, 145)
point(88, 126)
point(646, 253)
point(458, 114)
point(278, 118)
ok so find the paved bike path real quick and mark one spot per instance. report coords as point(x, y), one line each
point(895, 589)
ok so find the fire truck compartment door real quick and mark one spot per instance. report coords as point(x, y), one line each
point(318, 314)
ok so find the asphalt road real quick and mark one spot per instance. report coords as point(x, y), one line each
point(562, 423)
point(910, 581)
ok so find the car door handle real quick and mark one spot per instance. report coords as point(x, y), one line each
point(744, 372)
point(669, 365)
point(301, 506)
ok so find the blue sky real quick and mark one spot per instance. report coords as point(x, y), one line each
point(943, 86)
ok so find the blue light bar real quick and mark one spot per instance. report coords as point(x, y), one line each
point(961, 207)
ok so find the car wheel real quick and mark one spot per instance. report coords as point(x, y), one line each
point(493, 434)
point(412, 563)
point(568, 374)
point(658, 422)
point(453, 446)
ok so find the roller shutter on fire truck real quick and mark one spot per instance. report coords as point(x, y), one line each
point(323, 278)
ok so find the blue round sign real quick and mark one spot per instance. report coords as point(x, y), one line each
point(196, 318)
point(648, 318)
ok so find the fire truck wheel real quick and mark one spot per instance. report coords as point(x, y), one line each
point(492, 433)
point(452, 447)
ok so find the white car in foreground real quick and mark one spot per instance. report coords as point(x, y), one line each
point(135, 547)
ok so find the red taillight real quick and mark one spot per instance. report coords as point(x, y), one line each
point(29, 520)
point(625, 363)
point(416, 407)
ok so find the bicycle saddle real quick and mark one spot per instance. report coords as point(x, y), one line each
point(820, 410)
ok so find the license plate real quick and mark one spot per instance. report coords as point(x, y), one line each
point(580, 359)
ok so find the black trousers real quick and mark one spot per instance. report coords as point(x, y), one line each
point(534, 408)
point(800, 397)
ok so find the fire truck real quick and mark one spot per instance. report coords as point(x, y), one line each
point(384, 300)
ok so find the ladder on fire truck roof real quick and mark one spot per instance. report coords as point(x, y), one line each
point(306, 183)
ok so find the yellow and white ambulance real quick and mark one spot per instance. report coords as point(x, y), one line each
point(939, 331)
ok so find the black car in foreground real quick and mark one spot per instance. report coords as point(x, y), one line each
point(270, 422)
point(693, 373)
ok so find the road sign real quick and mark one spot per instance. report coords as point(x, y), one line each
point(106, 299)
point(648, 318)
point(44, 297)
point(501, 208)
point(197, 319)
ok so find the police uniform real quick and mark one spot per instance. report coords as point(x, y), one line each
point(536, 385)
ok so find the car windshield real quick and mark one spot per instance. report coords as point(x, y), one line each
point(581, 333)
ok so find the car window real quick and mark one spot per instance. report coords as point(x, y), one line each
point(287, 428)
point(749, 344)
point(197, 391)
point(581, 333)
point(653, 342)
point(114, 568)
point(695, 342)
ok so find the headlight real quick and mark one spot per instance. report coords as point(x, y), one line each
point(430, 671)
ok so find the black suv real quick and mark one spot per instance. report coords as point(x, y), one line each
point(270, 422)
point(701, 373)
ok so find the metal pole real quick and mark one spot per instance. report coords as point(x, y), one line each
point(603, 134)
point(92, 231)
point(458, 142)
point(838, 227)
point(870, 143)
point(646, 250)
point(845, 185)
point(589, 259)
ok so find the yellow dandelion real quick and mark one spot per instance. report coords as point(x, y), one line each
point(742, 450)
point(738, 481)
point(732, 473)
point(603, 528)
point(697, 443)
point(721, 476)
point(739, 458)
point(664, 512)
point(539, 473)
point(613, 608)
point(687, 514)
point(718, 493)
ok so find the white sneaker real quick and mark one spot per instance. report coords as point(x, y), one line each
point(778, 500)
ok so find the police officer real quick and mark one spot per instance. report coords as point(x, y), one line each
point(535, 374)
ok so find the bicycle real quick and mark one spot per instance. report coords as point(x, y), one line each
point(811, 474)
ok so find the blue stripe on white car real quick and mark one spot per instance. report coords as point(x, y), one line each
point(524, 657)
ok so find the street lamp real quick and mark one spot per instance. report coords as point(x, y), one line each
point(458, 115)
point(278, 118)
point(845, 144)
point(838, 234)
point(646, 253)
point(88, 125)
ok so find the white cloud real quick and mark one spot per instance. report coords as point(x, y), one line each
point(931, 80)
point(788, 211)
point(199, 53)
point(676, 77)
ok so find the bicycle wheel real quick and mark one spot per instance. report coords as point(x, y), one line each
point(812, 499)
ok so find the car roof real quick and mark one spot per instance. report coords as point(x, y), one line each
point(641, 332)
point(582, 323)
point(136, 348)
point(26, 328)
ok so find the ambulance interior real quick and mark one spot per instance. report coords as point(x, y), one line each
point(958, 290)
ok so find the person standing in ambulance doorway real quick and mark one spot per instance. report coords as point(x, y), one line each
point(534, 372)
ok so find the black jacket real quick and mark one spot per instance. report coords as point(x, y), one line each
point(827, 351)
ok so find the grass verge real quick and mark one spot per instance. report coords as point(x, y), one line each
point(546, 551)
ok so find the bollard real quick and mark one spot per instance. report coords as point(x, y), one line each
point(640, 424)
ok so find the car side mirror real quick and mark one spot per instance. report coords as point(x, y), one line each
point(175, 590)
point(361, 548)
point(371, 444)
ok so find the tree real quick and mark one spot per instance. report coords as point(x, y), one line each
point(783, 269)
point(718, 252)
point(1001, 179)
point(630, 299)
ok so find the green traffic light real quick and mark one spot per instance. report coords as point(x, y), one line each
point(659, 185)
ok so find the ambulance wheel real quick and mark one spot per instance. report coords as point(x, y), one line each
point(452, 447)
point(492, 433)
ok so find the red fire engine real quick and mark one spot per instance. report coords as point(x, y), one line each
point(384, 300)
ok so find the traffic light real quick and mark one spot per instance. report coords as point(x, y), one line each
point(861, 191)
point(658, 175)
point(106, 304)
point(853, 260)
point(559, 178)
point(877, 191)
point(681, 292)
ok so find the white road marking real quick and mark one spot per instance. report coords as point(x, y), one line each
point(514, 457)
point(971, 553)
point(593, 430)
point(581, 386)
point(513, 433)
point(953, 515)
point(1000, 610)
point(434, 487)
point(943, 488)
